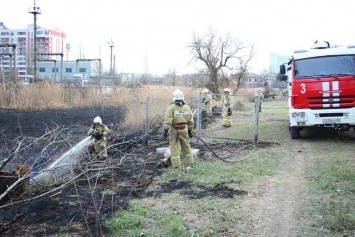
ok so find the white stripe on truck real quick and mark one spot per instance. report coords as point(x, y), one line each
point(325, 88)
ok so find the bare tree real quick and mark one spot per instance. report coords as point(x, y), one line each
point(241, 67)
point(216, 53)
point(172, 78)
point(264, 76)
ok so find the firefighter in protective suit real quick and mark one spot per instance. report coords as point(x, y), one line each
point(256, 95)
point(207, 102)
point(99, 131)
point(179, 121)
point(227, 104)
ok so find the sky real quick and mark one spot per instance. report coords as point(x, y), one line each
point(153, 35)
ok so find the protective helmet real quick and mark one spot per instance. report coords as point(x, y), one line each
point(97, 119)
point(178, 95)
point(259, 89)
point(205, 90)
point(227, 90)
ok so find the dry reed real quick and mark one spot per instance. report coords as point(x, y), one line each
point(45, 95)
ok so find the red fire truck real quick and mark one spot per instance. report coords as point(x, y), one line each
point(321, 84)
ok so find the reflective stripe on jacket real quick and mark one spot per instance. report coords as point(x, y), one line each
point(177, 114)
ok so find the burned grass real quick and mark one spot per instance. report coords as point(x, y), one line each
point(196, 191)
point(81, 207)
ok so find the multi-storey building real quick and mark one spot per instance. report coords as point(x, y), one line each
point(17, 49)
point(276, 60)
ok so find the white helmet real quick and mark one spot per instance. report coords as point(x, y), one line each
point(259, 89)
point(205, 90)
point(178, 95)
point(97, 119)
point(227, 90)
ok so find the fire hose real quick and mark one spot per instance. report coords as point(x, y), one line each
point(225, 158)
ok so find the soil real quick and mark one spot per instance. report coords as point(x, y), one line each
point(276, 202)
point(273, 202)
point(74, 208)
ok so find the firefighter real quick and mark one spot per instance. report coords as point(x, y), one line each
point(207, 102)
point(227, 104)
point(256, 95)
point(99, 131)
point(179, 121)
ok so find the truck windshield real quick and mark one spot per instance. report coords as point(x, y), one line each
point(329, 66)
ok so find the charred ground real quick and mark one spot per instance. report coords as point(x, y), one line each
point(75, 208)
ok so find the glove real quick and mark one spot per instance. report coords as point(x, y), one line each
point(190, 133)
point(206, 103)
point(203, 100)
point(165, 134)
point(96, 135)
point(99, 136)
point(229, 112)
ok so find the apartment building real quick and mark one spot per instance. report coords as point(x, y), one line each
point(16, 50)
point(276, 60)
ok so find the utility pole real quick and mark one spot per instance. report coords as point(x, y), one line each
point(111, 45)
point(35, 11)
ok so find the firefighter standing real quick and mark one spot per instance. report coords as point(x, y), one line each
point(99, 131)
point(207, 102)
point(227, 104)
point(256, 95)
point(179, 121)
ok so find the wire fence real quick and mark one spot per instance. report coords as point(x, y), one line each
point(244, 115)
point(148, 116)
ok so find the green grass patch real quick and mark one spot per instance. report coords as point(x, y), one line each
point(333, 191)
point(330, 172)
point(210, 215)
point(139, 220)
point(264, 163)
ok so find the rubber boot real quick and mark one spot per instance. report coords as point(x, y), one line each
point(189, 161)
point(103, 152)
point(176, 162)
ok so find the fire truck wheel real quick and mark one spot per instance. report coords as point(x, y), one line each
point(295, 132)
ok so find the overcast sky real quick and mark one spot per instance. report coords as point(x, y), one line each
point(159, 31)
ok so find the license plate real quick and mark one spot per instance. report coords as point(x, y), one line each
point(331, 121)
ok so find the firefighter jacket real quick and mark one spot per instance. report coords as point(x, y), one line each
point(227, 102)
point(178, 114)
point(207, 98)
point(102, 129)
point(256, 94)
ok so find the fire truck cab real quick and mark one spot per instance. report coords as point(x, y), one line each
point(321, 86)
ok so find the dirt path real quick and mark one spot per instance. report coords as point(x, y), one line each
point(276, 203)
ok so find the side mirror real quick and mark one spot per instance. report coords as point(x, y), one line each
point(283, 78)
point(283, 69)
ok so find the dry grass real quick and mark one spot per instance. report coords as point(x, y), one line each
point(159, 98)
point(45, 95)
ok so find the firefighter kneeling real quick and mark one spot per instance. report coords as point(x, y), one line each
point(179, 121)
point(99, 131)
